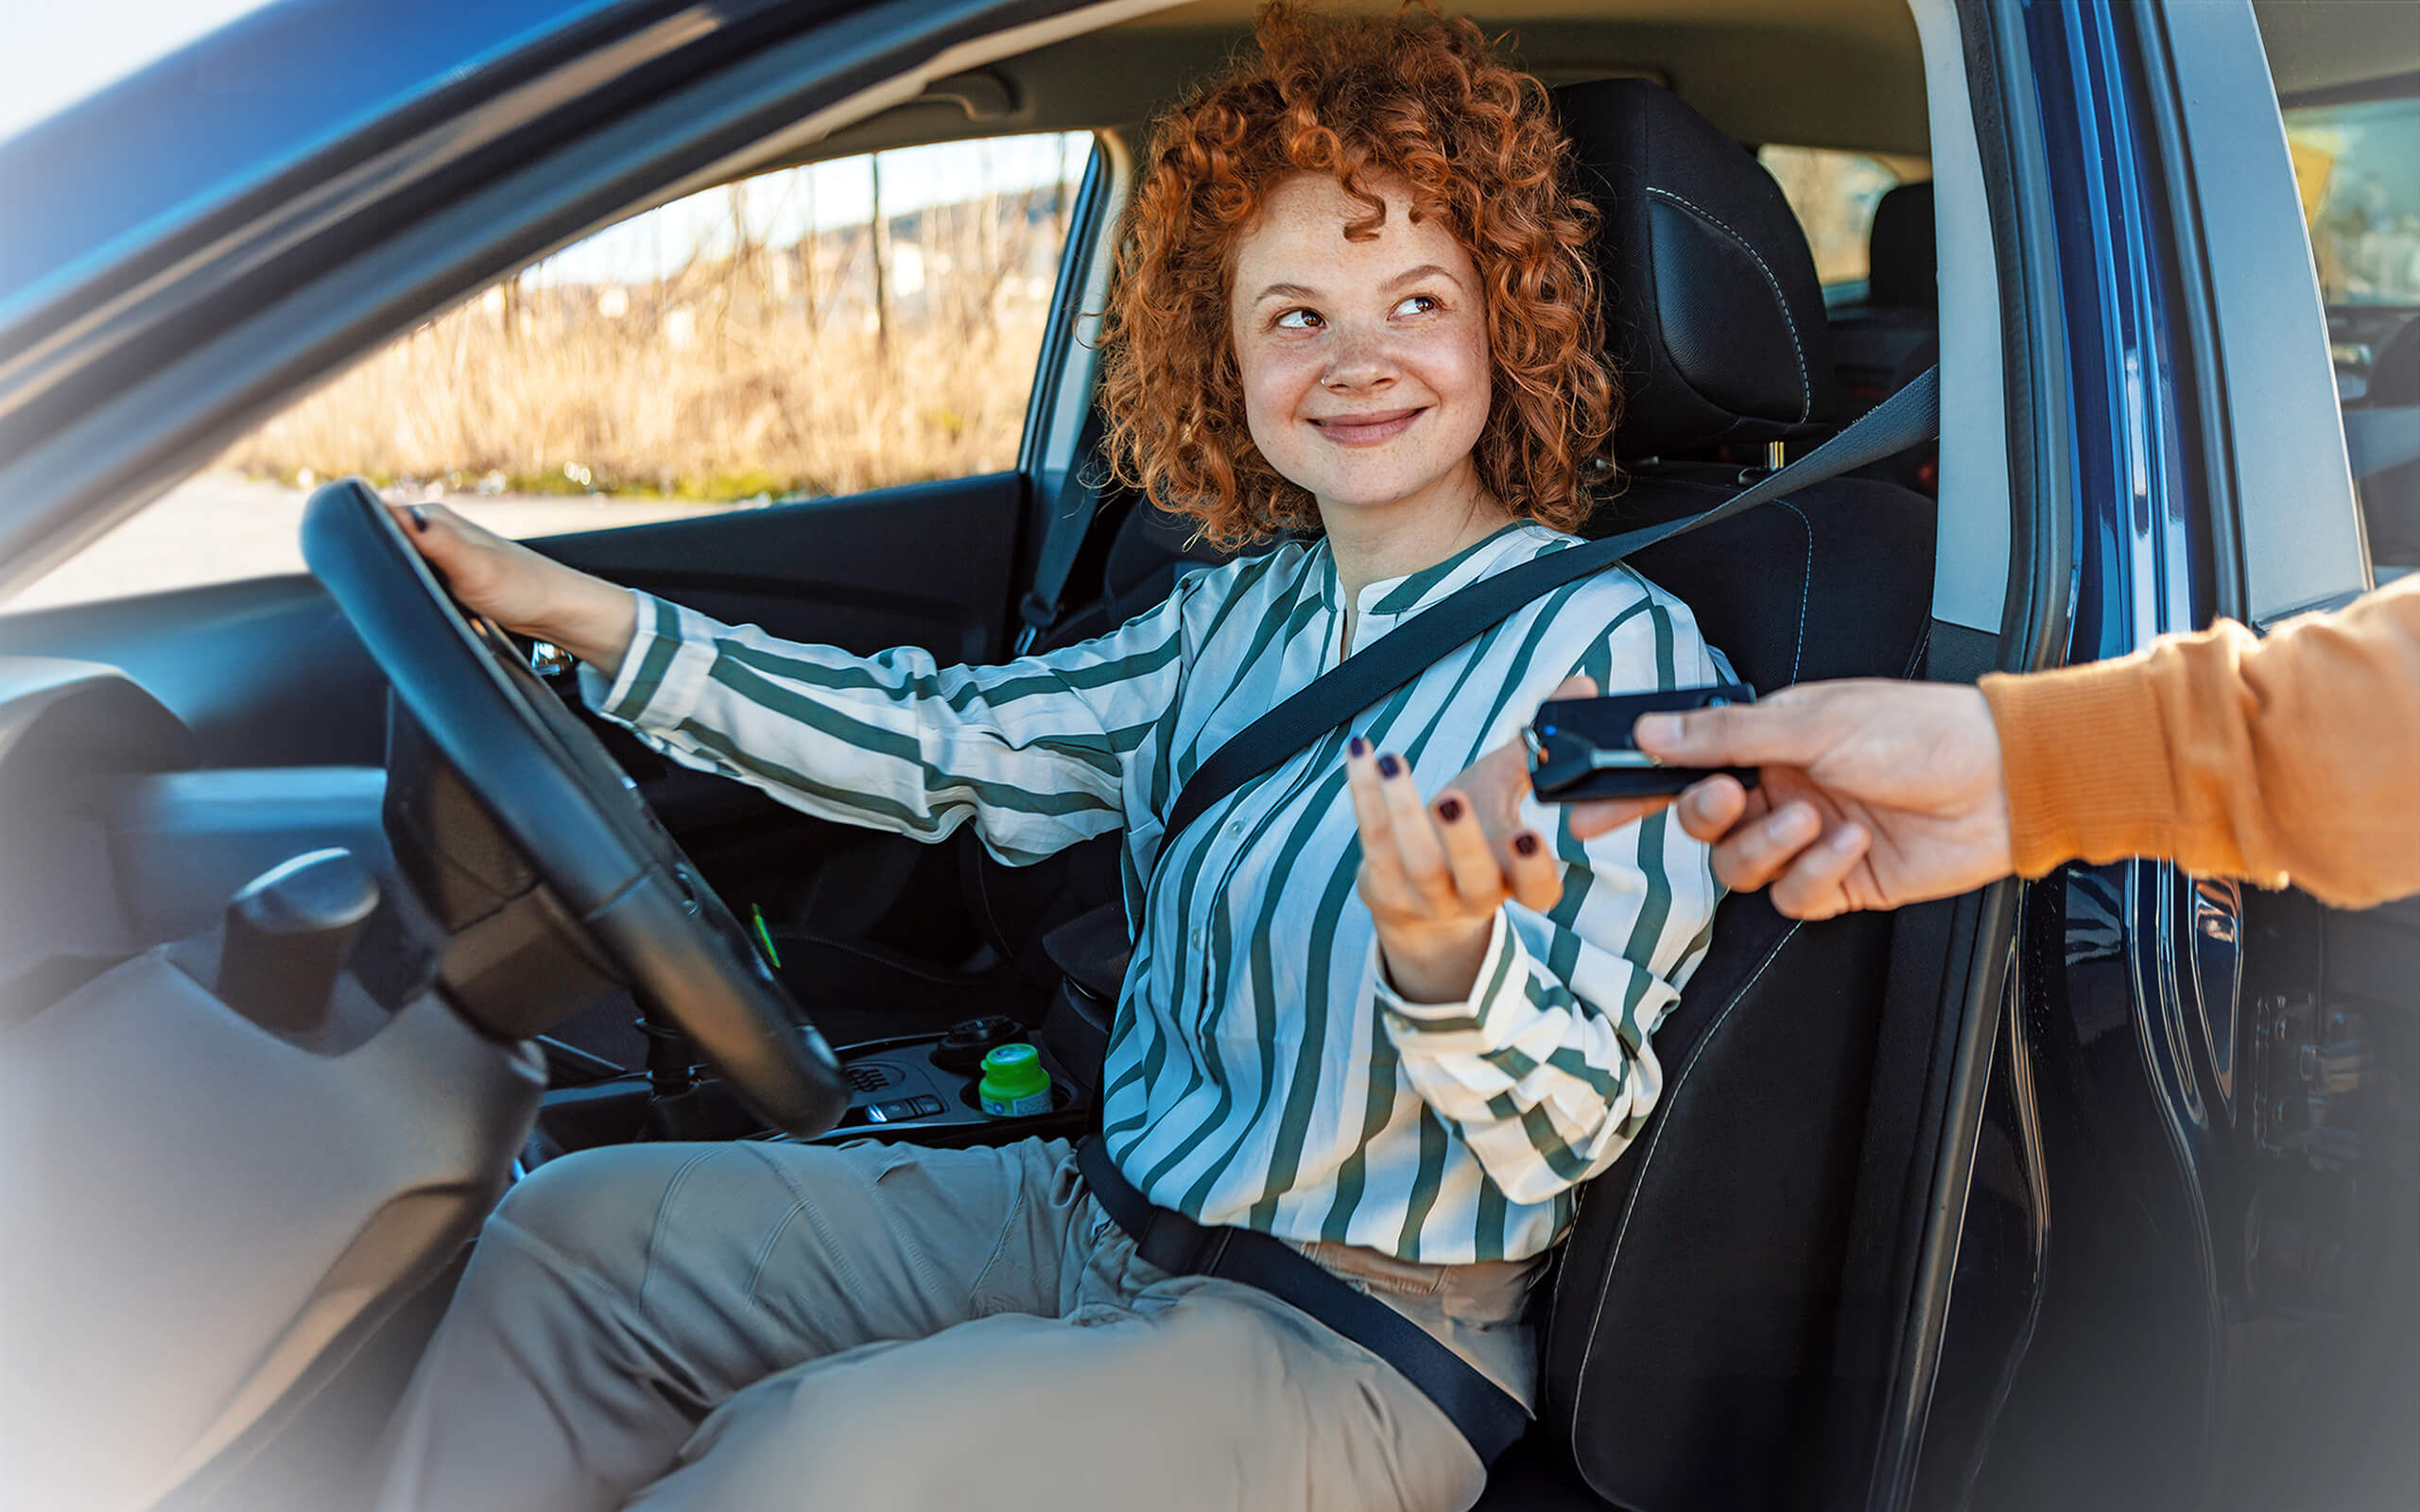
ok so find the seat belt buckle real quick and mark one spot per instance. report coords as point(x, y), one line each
point(1181, 1247)
point(1038, 617)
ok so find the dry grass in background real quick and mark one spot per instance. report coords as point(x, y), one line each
point(877, 354)
point(766, 370)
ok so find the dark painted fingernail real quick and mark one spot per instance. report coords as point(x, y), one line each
point(1359, 748)
point(1389, 766)
point(1525, 845)
point(1449, 809)
point(420, 517)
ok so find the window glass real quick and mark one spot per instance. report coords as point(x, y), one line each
point(1833, 194)
point(2358, 169)
point(2358, 166)
point(825, 330)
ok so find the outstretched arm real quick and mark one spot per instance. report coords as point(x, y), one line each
point(2283, 760)
point(1033, 752)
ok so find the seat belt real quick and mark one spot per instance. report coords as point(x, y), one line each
point(1908, 418)
point(1063, 532)
point(1487, 1414)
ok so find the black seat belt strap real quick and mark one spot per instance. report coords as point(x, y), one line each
point(1905, 419)
point(1063, 530)
point(1488, 1415)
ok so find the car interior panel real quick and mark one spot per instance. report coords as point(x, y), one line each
point(176, 768)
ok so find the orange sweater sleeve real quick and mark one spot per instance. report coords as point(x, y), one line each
point(2294, 759)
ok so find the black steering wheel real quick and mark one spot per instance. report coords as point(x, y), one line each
point(562, 801)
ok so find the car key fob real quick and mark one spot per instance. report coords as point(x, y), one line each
point(1580, 748)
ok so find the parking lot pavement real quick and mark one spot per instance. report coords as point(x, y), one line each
point(215, 527)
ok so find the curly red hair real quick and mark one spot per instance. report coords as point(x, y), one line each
point(1414, 97)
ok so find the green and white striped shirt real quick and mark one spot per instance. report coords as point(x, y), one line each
point(1261, 1072)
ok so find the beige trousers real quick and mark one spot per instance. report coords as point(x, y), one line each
point(872, 1326)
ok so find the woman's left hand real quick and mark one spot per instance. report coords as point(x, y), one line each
point(1434, 874)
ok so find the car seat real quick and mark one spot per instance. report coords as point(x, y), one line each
point(1873, 340)
point(1687, 1340)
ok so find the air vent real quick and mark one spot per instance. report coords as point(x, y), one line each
point(872, 1075)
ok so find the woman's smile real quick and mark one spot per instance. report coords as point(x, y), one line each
point(1374, 428)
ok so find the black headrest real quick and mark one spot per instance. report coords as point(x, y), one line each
point(1711, 305)
point(1900, 259)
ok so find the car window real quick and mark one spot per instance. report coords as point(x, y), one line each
point(1833, 194)
point(2357, 165)
point(825, 330)
point(2358, 168)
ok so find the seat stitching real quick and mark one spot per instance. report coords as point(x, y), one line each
point(1805, 587)
point(1806, 384)
point(1647, 1159)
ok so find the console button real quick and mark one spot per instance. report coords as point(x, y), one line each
point(922, 1106)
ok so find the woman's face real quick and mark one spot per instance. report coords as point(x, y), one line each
point(1365, 364)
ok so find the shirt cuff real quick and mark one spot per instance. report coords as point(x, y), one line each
point(670, 655)
point(1503, 970)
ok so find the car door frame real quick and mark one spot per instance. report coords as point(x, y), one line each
point(2113, 1085)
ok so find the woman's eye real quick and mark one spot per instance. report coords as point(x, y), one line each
point(1298, 321)
point(1415, 304)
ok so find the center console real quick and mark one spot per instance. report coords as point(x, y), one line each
point(919, 1087)
point(913, 1088)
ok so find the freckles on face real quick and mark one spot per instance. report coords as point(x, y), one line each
point(1365, 364)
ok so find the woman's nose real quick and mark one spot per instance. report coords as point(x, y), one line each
point(1358, 361)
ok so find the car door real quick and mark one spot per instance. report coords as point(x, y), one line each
point(2186, 1271)
point(2184, 1258)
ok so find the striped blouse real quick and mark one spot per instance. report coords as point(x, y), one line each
point(1260, 1070)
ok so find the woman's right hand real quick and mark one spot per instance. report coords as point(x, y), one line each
point(520, 590)
point(1874, 793)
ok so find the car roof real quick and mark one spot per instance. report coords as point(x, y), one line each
point(241, 104)
point(264, 91)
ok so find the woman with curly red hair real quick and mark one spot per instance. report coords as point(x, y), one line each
point(1369, 1044)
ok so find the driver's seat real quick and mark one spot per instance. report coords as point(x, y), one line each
point(1688, 1341)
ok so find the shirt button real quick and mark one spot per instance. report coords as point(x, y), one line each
point(1195, 938)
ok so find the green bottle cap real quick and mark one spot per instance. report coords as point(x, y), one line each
point(1014, 1084)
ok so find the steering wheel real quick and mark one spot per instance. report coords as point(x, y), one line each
point(574, 814)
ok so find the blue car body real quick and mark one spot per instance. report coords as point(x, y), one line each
point(2165, 1182)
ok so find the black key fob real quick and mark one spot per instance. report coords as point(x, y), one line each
point(1580, 748)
